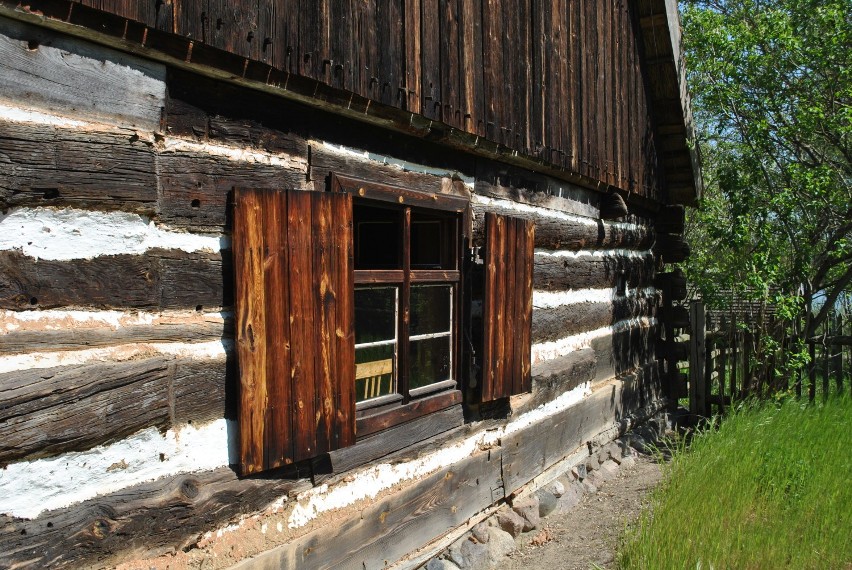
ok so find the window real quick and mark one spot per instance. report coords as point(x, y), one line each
point(348, 310)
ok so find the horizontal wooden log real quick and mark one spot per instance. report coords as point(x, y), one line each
point(671, 220)
point(68, 338)
point(559, 322)
point(48, 411)
point(144, 520)
point(42, 165)
point(553, 378)
point(672, 284)
point(672, 248)
point(156, 279)
point(623, 351)
point(205, 389)
point(51, 71)
point(399, 523)
point(393, 439)
point(554, 233)
point(325, 161)
point(196, 185)
point(558, 273)
point(612, 206)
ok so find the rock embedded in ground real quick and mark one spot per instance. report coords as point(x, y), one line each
point(570, 498)
point(441, 564)
point(527, 507)
point(470, 555)
point(480, 531)
point(500, 543)
point(510, 521)
point(556, 487)
point(546, 502)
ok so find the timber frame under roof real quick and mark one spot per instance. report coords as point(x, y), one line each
point(668, 164)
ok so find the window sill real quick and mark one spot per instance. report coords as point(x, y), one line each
point(377, 422)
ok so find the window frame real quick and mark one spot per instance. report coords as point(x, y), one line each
point(384, 411)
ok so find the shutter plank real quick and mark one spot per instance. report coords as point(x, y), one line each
point(325, 306)
point(344, 334)
point(278, 445)
point(488, 322)
point(302, 321)
point(509, 306)
point(251, 325)
point(525, 295)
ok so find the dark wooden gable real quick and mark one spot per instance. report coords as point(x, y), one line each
point(507, 307)
point(295, 336)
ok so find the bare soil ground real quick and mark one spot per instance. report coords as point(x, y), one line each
point(587, 536)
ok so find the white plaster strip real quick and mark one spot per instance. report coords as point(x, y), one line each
point(604, 253)
point(197, 350)
point(70, 233)
point(26, 116)
point(59, 319)
point(545, 351)
point(547, 213)
point(29, 488)
point(404, 165)
point(234, 153)
point(554, 299)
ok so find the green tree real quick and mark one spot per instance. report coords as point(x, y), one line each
point(772, 93)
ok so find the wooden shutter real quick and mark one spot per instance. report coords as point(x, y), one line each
point(295, 325)
point(507, 307)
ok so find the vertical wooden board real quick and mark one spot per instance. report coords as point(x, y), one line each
point(262, 41)
point(278, 443)
point(470, 49)
point(499, 299)
point(509, 305)
point(314, 37)
point(285, 40)
point(233, 26)
point(492, 65)
point(563, 117)
point(364, 16)
point(391, 52)
point(430, 61)
point(191, 19)
point(537, 79)
point(250, 326)
point(344, 333)
point(450, 64)
point(412, 39)
point(325, 304)
point(488, 309)
point(303, 337)
point(575, 81)
point(509, 48)
point(526, 344)
point(341, 44)
point(519, 306)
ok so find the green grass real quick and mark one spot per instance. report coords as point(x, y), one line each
point(770, 488)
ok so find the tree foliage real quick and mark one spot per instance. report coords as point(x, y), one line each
point(772, 93)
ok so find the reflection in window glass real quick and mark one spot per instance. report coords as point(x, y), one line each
point(375, 314)
point(426, 244)
point(378, 234)
point(430, 361)
point(374, 371)
point(430, 309)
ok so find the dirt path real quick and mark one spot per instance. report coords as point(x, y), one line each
point(586, 536)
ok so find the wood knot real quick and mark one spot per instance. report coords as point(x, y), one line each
point(189, 488)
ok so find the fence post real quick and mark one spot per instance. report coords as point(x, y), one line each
point(812, 371)
point(837, 353)
point(724, 338)
point(697, 341)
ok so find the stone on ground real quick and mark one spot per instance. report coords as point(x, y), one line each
point(546, 502)
point(510, 521)
point(500, 543)
point(527, 507)
point(469, 555)
point(441, 564)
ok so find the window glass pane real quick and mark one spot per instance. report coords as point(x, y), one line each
point(430, 309)
point(374, 371)
point(432, 241)
point(378, 235)
point(430, 361)
point(375, 314)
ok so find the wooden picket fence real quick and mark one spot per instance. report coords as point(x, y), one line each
point(728, 362)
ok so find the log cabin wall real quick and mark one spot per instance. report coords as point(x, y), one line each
point(117, 380)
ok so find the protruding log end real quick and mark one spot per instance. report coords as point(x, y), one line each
point(612, 206)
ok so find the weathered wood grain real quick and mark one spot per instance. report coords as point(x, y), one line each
point(558, 322)
point(556, 273)
point(22, 341)
point(49, 411)
point(157, 279)
point(623, 351)
point(555, 233)
point(144, 520)
point(195, 185)
point(56, 73)
point(398, 523)
point(42, 165)
point(553, 378)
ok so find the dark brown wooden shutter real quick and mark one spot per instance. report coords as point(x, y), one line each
point(295, 325)
point(507, 308)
